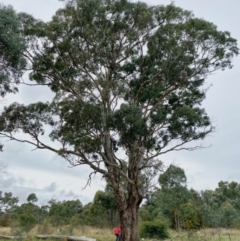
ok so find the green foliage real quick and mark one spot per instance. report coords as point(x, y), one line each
point(221, 207)
point(104, 208)
point(144, 214)
point(32, 198)
point(189, 209)
point(27, 215)
point(189, 217)
point(27, 221)
point(61, 213)
point(87, 218)
point(12, 46)
point(102, 212)
point(218, 208)
point(7, 202)
point(5, 220)
point(174, 193)
point(155, 229)
point(91, 67)
point(99, 211)
point(229, 216)
point(174, 177)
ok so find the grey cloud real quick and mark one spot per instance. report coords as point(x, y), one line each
point(7, 182)
point(23, 192)
point(68, 195)
point(20, 155)
point(51, 188)
point(12, 180)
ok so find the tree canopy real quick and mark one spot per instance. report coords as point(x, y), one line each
point(32, 198)
point(128, 80)
point(12, 46)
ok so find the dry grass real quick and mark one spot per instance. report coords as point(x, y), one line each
point(98, 233)
point(218, 234)
point(69, 230)
point(5, 231)
point(106, 234)
point(93, 231)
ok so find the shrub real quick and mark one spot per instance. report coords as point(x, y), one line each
point(189, 215)
point(44, 227)
point(155, 229)
point(27, 222)
point(5, 220)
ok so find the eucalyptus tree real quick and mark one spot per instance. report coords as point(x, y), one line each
point(128, 80)
point(61, 212)
point(104, 206)
point(12, 46)
point(12, 59)
point(174, 193)
point(8, 205)
point(32, 198)
point(7, 202)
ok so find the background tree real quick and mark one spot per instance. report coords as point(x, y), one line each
point(175, 194)
point(104, 208)
point(27, 215)
point(8, 204)
point(32, 198)
point(61, 212)
point(87, 217)
point(229, 216)
point(153, 208)
point(173, 203)
point(128, 81)
point(189, 216)
point(210, 210)
point(220, 208)
point(197, 202)
point(7, 201)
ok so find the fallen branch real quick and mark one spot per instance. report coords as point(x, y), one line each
point(10, 237)
point(69, 238)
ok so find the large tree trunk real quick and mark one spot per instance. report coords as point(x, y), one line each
point(126, 192)
point(128, 205)
point(129, 223)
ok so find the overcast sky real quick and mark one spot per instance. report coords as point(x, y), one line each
point(47, 175)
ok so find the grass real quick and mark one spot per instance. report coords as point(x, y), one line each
point(5, 231)
point(217, 234)
point(106, 234)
